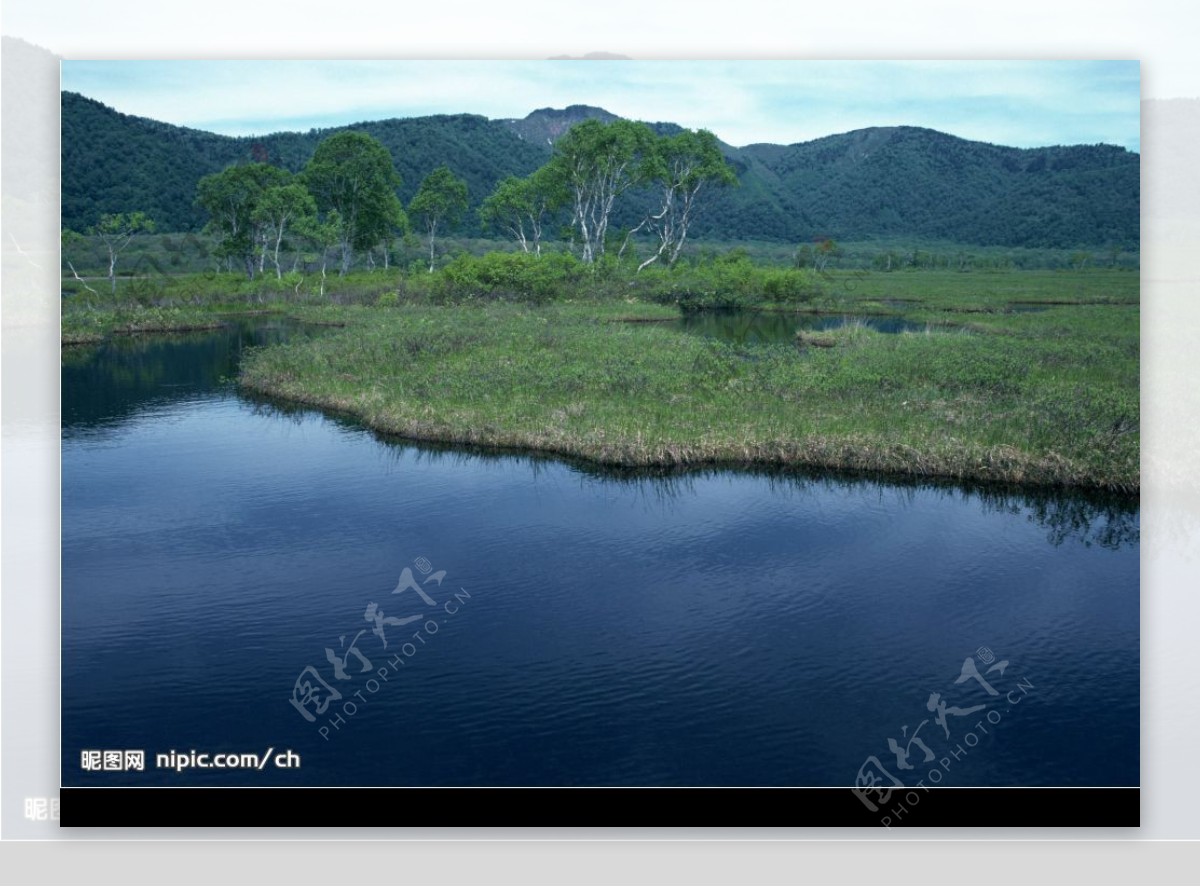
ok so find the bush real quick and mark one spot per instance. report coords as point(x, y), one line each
point(729, 281)
point(513, 276)
point(793, 286)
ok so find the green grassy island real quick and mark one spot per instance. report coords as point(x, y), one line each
point(1026, 377)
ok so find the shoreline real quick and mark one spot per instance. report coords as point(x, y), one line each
point(1044, 400)
point(1001, 466)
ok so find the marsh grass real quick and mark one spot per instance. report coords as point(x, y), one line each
point(586, 371)
point(853, 331)
point(89, 325)
point(1029, 403)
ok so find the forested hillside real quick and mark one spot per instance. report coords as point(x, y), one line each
point(906, 180)
point(873, 182)
point(113, 162)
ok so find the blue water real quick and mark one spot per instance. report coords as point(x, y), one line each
point(760, 327)
point(724, 628)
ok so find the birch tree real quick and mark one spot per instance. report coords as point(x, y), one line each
point(116, 231)
point(439, 201)
point(232, 199)
point(597, 163)
point(279, 209)
point(685, 163)
point(521, 206)
point(322, 235)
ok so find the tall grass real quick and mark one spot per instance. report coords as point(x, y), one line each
point(512, 350)
point(1017, 408)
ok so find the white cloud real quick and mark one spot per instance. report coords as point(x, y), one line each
point(742, 102)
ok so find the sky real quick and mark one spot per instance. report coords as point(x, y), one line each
point(1019, 103)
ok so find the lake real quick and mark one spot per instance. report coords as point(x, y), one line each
point(568, 626)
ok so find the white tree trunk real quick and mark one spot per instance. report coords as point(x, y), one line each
point(278, 242)
point(432, 234)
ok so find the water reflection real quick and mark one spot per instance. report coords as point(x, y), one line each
point(1107, 520)
point(105, 384)
point(770, 328)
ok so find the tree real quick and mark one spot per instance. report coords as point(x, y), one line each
point(596, 163)
point(440, 200)
point(322, 235)
point(353, 174)
point(115, 231)
point(889, 260)
point(520, 206)
point(824, 251)
point(278, 208)
point(233, 198)
point(683, 164)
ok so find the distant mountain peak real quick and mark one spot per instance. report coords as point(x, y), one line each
point(545, 125)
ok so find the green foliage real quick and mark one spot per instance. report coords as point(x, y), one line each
point(116, 231)
point(114, 162)
point(281, 208)
point(682, 164)
point(728, 281)
point(513, 277)
point(594, 164)
point(238, 207)
point(889, 181)
point(122, 226)
point(352, 174)
point(520, 207)
point(789, 286)
point(441, 200)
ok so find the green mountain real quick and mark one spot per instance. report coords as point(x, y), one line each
point(881, 181)
point(112, 162)
point(911, 181)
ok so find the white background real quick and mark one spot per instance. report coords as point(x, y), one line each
point(1158, 32)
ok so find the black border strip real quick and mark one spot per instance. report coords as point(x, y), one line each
point(638, 807)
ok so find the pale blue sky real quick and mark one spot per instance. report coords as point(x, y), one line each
point(1022, 103)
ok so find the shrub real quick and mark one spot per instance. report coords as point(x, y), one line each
point(792, 286)
point(513, 276)
point(729, 281)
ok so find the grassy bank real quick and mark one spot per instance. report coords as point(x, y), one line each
point(979, 292)
point(87, 325)
point(1047, 398)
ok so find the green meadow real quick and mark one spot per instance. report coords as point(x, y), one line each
point(1027, 377)
point(983, 393)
